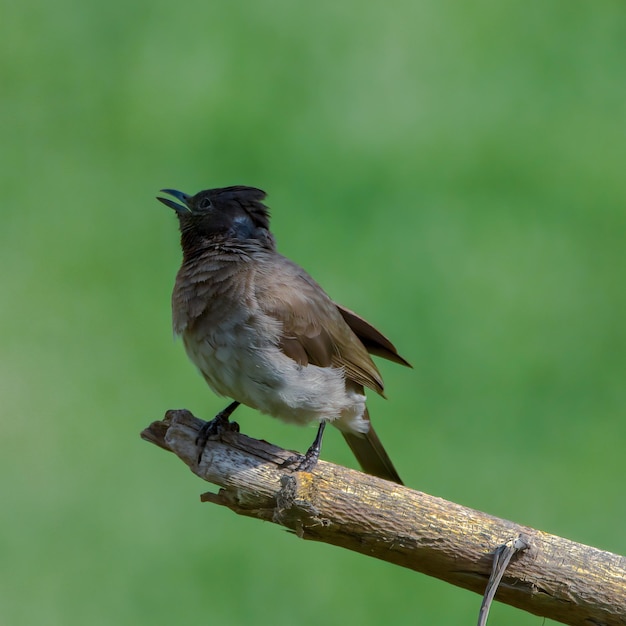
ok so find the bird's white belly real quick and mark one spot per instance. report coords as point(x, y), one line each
point(236, 364)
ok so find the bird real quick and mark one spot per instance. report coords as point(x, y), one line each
point(264, 333)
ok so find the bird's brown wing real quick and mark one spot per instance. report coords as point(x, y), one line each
point(314, 330)
point(374, 341)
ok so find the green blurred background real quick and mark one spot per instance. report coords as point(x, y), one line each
point(453, 172)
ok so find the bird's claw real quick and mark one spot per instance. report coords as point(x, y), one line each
point(214, 428)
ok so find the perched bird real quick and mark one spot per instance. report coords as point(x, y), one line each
point(264, 333)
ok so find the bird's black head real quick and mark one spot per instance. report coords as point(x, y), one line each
point(218, 215)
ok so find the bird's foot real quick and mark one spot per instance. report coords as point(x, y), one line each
point(306, 462)
point(302, 462)
point(219, 424)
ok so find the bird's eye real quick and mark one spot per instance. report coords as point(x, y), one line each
point(205, 203)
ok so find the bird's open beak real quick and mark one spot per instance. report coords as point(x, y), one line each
point(183, 197)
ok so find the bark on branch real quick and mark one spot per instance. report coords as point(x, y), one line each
point(555, 578)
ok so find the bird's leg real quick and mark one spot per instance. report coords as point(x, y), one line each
point(217, 425)
point(310, 459)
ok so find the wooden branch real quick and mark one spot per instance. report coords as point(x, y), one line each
point(555, 578)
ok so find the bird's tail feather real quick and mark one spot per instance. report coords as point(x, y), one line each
point(371, 455)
